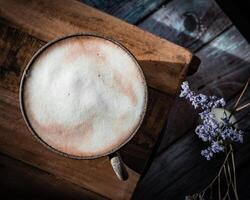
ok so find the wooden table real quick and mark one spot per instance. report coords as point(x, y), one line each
point(25, 26)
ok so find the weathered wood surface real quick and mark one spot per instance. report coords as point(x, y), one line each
point(131, 11)
point(175, 178)
point(223, 60)
point(191, 24)
point(178, 168)
point(22, 181)
point(224, 56)
point(170, 62)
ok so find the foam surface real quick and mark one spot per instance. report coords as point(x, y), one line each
point(84, 96)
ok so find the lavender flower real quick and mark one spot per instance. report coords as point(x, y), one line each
point(210, 151)
point(205, 133)
point(186, 92)
point(200, 100)
point(202, 133)
point(207, 153)
point(217, 147)
point(232, 134)
point(211, 130)
point(226, 120)
point(216, 102)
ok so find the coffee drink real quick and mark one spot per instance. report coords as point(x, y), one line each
point(84, 96)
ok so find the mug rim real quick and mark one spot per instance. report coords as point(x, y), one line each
point(28, 123)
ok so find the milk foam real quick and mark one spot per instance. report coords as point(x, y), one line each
point(84, 96)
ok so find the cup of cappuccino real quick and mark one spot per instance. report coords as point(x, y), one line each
point(84, 96)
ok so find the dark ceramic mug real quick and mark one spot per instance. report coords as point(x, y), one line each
point(26, 102)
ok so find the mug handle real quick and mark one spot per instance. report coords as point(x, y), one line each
point(118, 166)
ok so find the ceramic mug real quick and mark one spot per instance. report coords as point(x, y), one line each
point(84, 96)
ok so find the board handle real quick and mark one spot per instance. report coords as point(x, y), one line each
point(118, 166)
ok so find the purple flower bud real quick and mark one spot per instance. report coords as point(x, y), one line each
point(200, 100)
point(232, 134)
point(185, 90)
point(216, 147)
point(207, 153)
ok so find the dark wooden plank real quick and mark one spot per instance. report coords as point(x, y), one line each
point(131, 11)
point(225, 65)
point(203, 171)
point(170, 167)
point(22, 181)
point(15, 140)
point(179, 169)
point(137, 152)
point(159, 57)
point(225, 55)
point(188, 23)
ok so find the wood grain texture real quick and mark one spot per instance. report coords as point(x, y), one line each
point(178, 168)
point(223, 56)
point(225, 66)
point(47, 20)
point(188, 23)
point(190, 174)
point(131, 11)
point(17, 48)
point(22, 181)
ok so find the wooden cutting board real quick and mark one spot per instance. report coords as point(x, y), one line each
point(25, 26)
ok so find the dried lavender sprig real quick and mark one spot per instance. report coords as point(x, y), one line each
point(211, 129)
point(201, 100)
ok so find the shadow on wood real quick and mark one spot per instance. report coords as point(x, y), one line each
point(23, 181)
point(136, 161)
